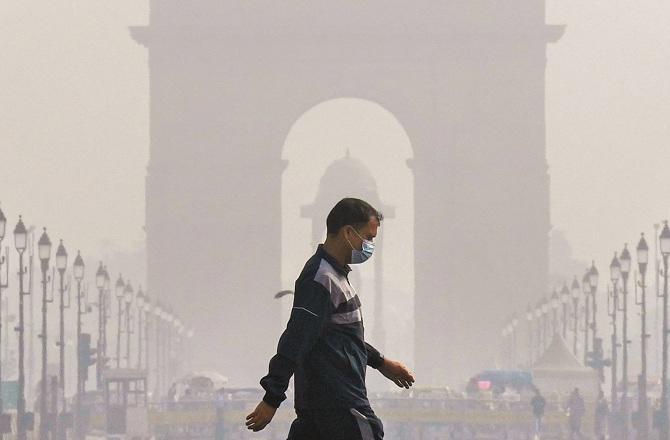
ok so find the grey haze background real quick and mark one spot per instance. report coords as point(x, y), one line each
point(74, 131)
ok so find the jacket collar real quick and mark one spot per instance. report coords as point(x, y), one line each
point(343, 270)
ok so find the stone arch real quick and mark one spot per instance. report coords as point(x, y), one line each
point(363, 138)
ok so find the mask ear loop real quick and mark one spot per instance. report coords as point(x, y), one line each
point(350, 245)
point(356, 232)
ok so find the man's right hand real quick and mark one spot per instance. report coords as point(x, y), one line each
point(260, 417)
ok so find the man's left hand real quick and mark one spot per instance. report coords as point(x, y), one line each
point(397, 373)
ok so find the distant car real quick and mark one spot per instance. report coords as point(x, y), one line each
point(497, 381)
point(199, 385)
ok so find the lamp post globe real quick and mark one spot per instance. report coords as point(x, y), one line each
point(625, 261)
point(664, 241)
point(3, 224)
point(100, 277)
point(593, 275)
point(119, 287)
point(20, 236)
point(128, 293)
point(44, 247)
point(61, 258)
point(139, 298)
point(615, 269)
point(107, 281)
point(565, 294)
point(642, 254)
point(575, 290)
point(78, 267)
point(586, 284)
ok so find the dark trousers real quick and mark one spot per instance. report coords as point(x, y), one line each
point(359, 423)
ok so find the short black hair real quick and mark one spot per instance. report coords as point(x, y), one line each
point(350, 211)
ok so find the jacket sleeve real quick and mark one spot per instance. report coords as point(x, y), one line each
point(375, 358)
point(312, 308)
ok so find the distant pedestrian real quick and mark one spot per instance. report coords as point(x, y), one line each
point(576, 411)
point(601, 415)
point(537, 403)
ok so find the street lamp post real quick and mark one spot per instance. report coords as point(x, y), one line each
point(529, 318)
point(657, 296)
point(625, 262)
point(147, 321)
point(44, 249)
point(20, 242)
point(642, 260)
point(3, 285)
point(545, 316)
point(515, 324)
point(615, 274)
point(107, 306)
point(100, 284)
point(189, 336)
point(120, 287)
point(565, 299)
point(61, 265)
point(179, 326)
point(507, 346)
point(665, 252)
point(555, 302)
point(140, 308)
point(169, 318)
point(78, 271)
point(587, 291)
point(128, 298)
point(575, 289)
point(593, 284)
point(158, 313)
point(538, 320)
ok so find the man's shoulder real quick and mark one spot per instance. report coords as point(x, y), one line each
point(309, 270)
point(320, 270)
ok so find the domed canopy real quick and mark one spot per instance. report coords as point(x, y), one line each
point(346, 177)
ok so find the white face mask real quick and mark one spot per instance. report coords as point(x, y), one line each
point(365, 253)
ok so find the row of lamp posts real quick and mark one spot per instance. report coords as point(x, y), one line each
point(617, 303)
point(165, 321)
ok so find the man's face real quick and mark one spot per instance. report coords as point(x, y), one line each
point(367, 232)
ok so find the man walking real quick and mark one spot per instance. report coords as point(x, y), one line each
point(324, 345)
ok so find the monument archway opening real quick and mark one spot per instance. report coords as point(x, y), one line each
point(350, 147)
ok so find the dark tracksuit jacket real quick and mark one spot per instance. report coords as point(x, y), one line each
point(323, 344)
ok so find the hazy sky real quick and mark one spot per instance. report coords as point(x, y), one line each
point(74, 121)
